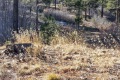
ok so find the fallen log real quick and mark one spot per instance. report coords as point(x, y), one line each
point(16, 49)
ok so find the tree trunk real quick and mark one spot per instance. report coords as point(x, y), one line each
point(78, 18)
point(89, 11)
point(37, 31)
point(30, 13)
point(85, 11)
point(55, 4)
point(86, 14)
point(118, 11)
point(15, 16)
point(102, 9)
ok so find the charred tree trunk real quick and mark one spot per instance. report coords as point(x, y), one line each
point(15, 16)
point(30, 12)
point(102, 9)
point(86, 14)
point(119, 15)
point(37, 31)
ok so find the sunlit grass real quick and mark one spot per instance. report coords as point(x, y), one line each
point(28, 37)
point(71, 48)
point(52, 76)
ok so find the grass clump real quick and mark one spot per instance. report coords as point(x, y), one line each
point(27, 36)
point(23, 72)
point(28, 70)
point(52, 76)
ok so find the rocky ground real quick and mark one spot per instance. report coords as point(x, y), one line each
point(69, 61)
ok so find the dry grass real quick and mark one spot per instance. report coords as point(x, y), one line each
point(27, 37)
point(31, 37)
point(7, 75)
point(36, 49)
point(100, 23)
point(67, 38)
point(51, 76)
point(26, 69)
point(70, 44)
point(28, 78)
point(74, 59)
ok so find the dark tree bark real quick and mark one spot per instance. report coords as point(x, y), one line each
point(85, 10)
point(15, 16)
point(85, 14)
point(37, 31)
point(89, 9)
point(102, 9)
point(30, 12)
point(55, 4)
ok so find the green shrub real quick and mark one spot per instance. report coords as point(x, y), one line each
point(48, 30)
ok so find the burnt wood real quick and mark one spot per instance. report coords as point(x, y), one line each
point(16, 49)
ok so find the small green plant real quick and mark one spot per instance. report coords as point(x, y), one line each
point(48, 30)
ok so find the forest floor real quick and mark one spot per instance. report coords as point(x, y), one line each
point(65, 60)
point(68, 61)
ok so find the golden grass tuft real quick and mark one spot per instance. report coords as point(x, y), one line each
point(27, 37)
point(59, 40)
point(52, 76)
point(67, 38)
